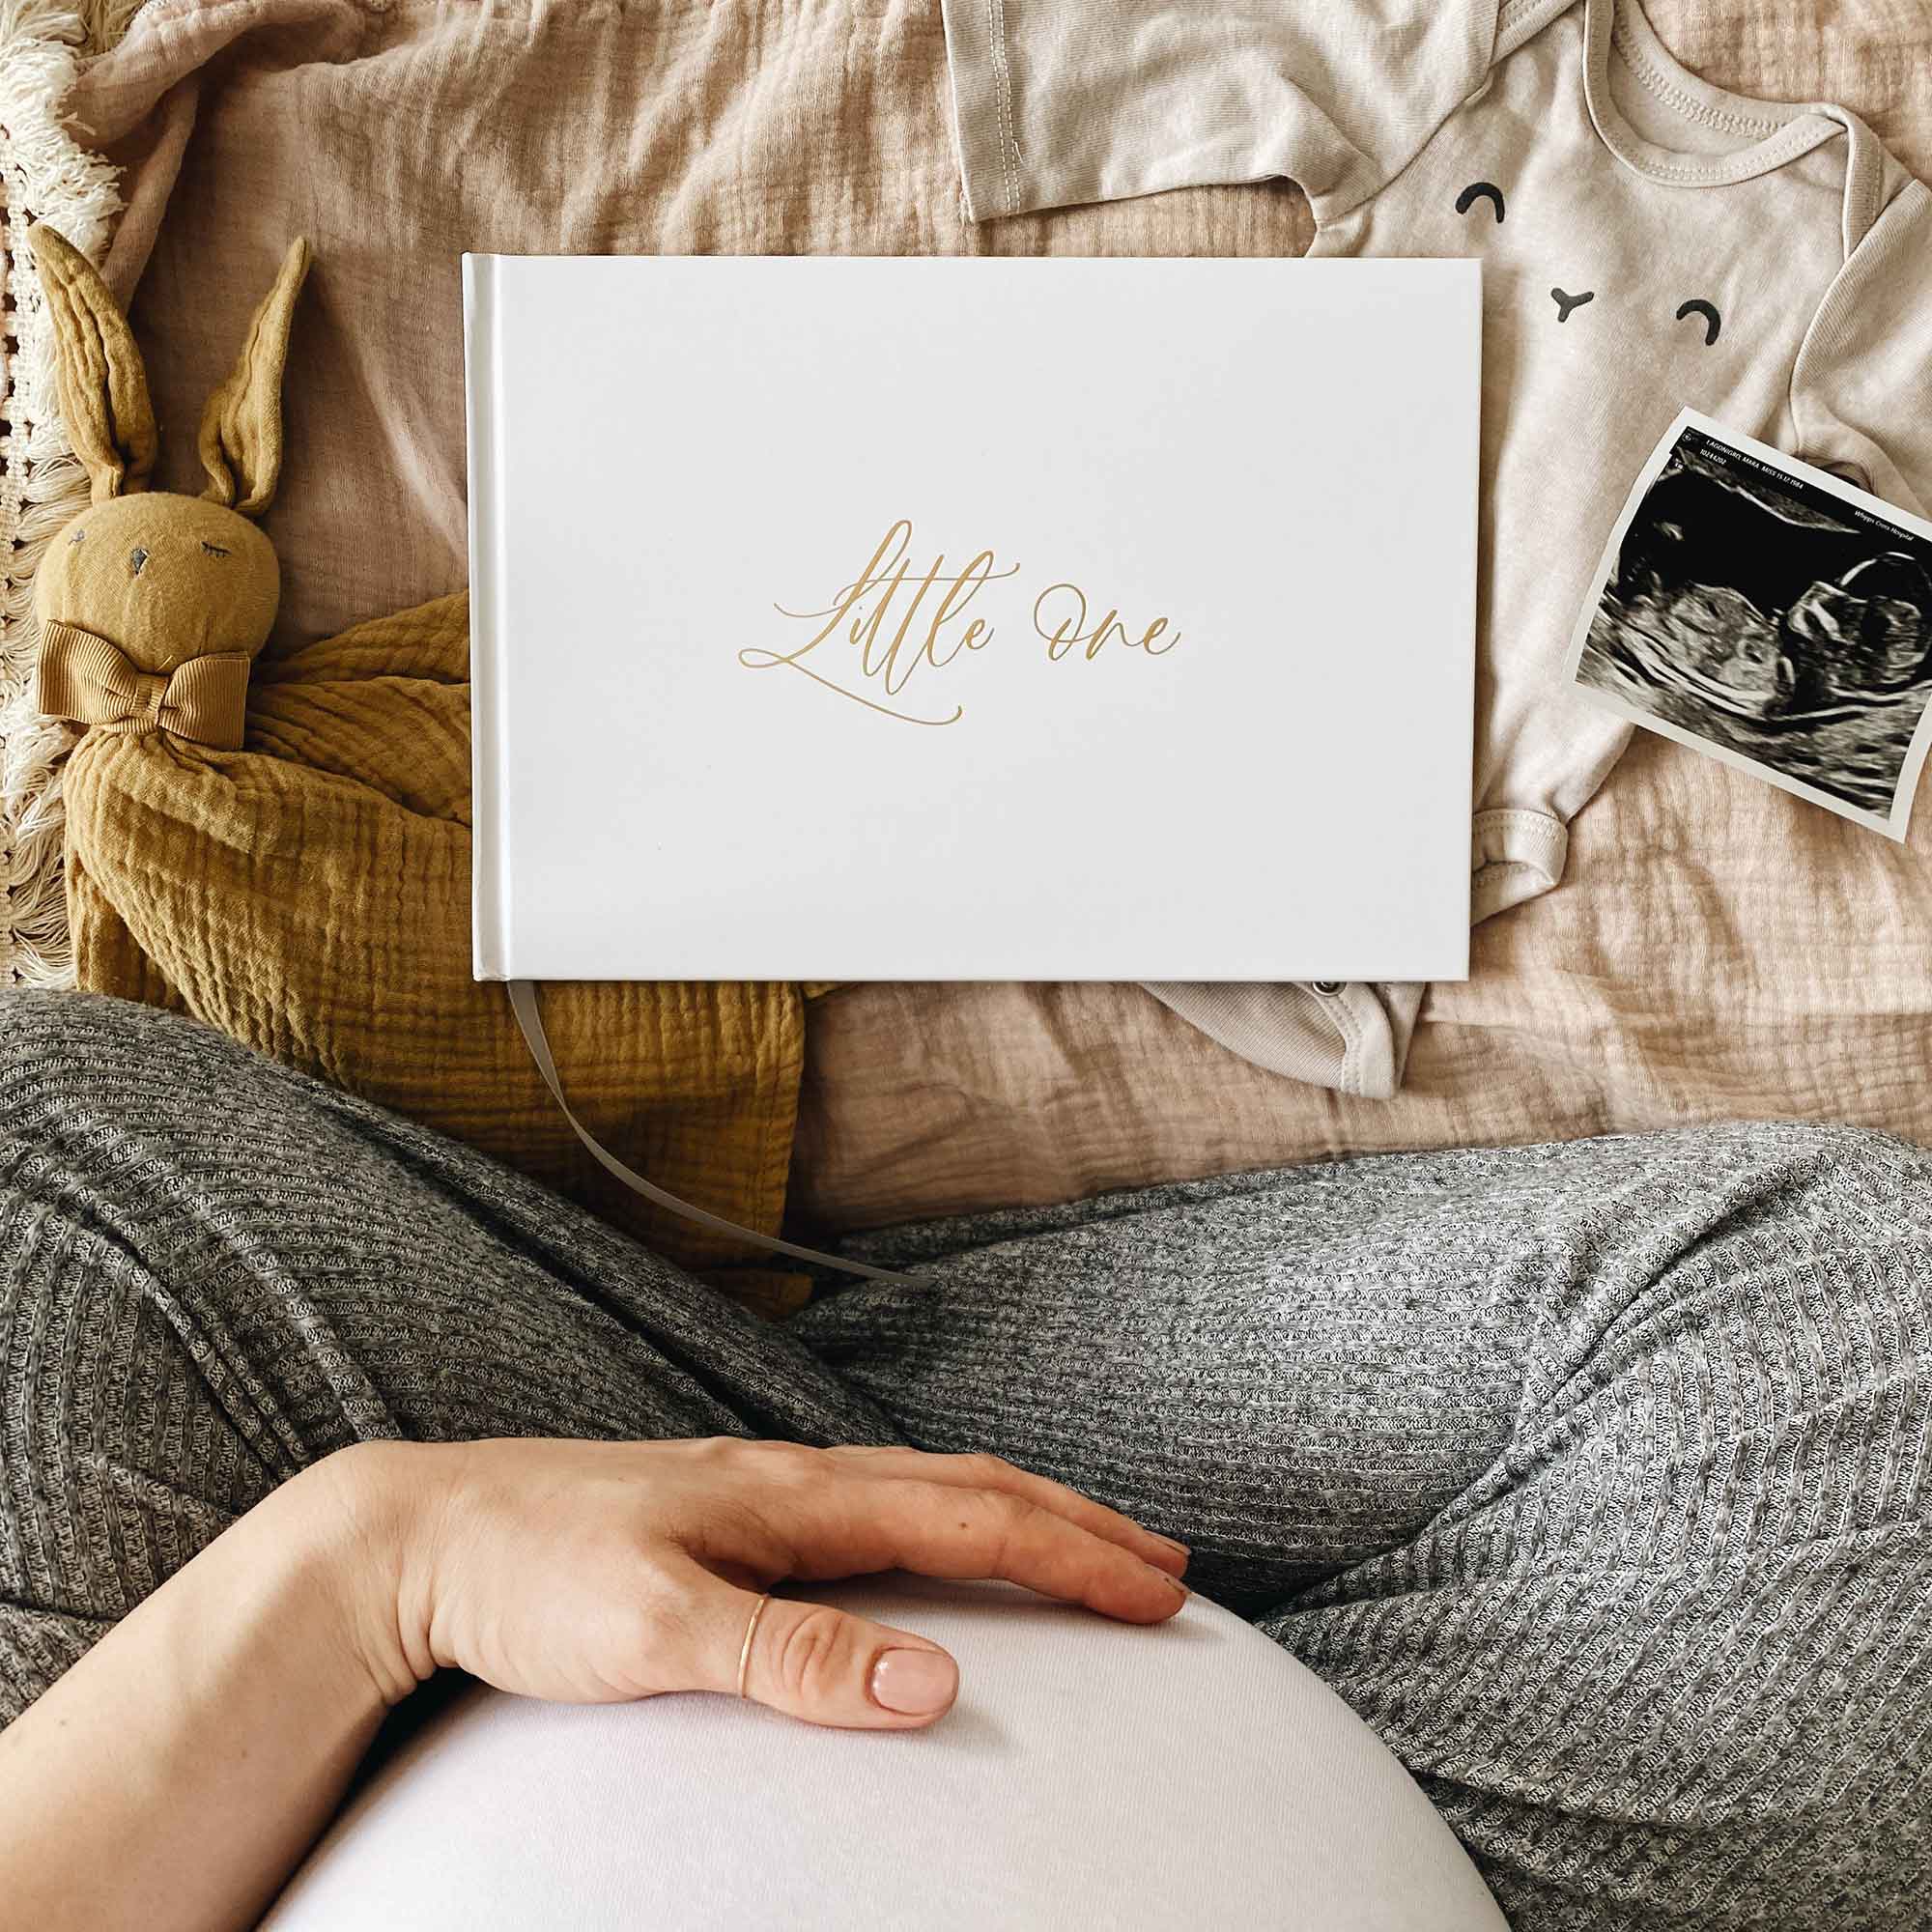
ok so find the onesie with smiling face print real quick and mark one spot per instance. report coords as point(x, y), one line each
point(1648, 241)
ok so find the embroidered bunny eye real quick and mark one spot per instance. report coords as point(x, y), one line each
point(1480, 191)
point(76, 537)
point(215, 550)
point(1712, 321)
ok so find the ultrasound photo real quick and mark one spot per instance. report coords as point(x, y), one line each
point(1772, 615)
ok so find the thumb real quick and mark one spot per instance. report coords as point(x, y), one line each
point(826, 1666)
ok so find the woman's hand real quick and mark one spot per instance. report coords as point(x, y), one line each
point(174, 1776)
point(592, 1572)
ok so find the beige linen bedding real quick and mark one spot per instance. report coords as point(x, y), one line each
point(1720, 949)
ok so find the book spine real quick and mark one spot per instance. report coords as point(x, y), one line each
point(490, 883)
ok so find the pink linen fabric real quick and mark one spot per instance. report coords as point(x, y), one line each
point(1720, 950)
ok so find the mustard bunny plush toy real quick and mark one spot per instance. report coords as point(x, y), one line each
point(152, 606)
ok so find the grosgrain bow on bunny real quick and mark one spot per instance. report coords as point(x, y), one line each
point(152, 606)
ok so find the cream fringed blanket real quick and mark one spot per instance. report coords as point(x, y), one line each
point(1719, 949)
point(46, 174)
point(310, 896)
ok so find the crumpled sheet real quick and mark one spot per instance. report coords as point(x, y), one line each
point(1717, 950)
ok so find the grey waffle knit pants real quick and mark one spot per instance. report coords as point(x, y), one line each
point(1593, 1476)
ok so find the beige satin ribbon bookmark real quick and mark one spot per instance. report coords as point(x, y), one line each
point(524, 1004)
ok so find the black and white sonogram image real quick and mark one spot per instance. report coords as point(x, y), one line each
point(1759, 612)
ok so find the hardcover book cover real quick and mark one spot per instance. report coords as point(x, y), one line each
point(926, 620)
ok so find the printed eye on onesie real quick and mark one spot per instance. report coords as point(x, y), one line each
point(1566, 304)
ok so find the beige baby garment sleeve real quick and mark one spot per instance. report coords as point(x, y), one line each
point(1861, 393)
point(1349, 1035)
point(1058, 102)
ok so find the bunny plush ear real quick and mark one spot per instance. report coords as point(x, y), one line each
point(242, 426)
point(103, 388)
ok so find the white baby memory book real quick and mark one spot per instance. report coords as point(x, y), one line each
point(888, 619)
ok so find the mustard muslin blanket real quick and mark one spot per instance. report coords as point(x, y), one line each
point(309, 895)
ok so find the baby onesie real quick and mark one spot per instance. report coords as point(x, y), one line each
point(1648, 241)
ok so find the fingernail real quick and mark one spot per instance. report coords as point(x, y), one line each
point(1174, 1582)
point(1168, 1543)
point(915, 1683)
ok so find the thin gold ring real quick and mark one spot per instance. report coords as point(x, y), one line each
point(751, 1630)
